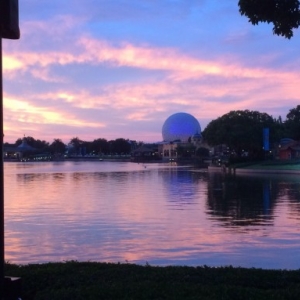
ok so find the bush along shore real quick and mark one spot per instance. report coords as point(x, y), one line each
point(90, 280)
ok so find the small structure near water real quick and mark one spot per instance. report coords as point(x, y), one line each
point(18, 152)
point(147, 152)
point(289, 149)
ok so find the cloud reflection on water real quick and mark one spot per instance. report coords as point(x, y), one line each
point(160, 214)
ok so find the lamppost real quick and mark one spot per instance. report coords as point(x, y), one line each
point(9, 29)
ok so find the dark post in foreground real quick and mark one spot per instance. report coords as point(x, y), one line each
point(9, 29)
point(2, 180)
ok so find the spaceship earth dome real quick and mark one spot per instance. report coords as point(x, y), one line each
point(180, 126)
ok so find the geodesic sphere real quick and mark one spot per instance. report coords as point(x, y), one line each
point(180, 126)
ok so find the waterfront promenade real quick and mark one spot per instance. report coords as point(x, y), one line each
point(289, 168)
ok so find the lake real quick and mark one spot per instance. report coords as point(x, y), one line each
point(157, 214)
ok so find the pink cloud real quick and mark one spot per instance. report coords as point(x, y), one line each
point(179, 82)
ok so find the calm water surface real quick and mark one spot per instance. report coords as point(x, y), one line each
point(159, 214)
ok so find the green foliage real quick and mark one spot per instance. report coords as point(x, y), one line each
point(76, 142)
point(100, 146)
point(240, 130)
point(284, 14)
point(120, 146)
point(89, 281)
point(57, 146)
point(292, 123)
point(37, 144)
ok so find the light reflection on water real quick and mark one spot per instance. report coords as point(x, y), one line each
point(156, 213)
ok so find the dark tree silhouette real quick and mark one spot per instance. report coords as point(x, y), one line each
point(240, 130)
point(292, 123)
point(37, 144)
point(284, 14)
point(57, 146)
point(120, 146)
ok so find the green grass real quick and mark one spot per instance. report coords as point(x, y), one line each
point(270, 165)
point(87, 281)
point(273, 167)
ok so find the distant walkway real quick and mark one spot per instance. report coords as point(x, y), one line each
point(257, 170)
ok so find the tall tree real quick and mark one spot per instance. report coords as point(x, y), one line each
point(240, 130)
point(284, 14)
point(76, 144)
point(57, 146)
point(120, 146)
point(292, 123)
point(100, 146)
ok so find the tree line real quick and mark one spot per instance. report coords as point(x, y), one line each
point(283, 14)
point(77, 146)
point(242, 130)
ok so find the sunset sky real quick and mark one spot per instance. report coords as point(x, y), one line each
point(119, 68)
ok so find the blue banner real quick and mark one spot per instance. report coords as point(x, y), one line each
point(266, 143)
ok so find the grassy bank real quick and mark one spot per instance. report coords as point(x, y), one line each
point(269, 165)
point(87, 280)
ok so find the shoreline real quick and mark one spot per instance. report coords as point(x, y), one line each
point(255, 170)
point(92, 280)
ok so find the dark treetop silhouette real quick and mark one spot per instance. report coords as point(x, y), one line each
point(284, 14)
